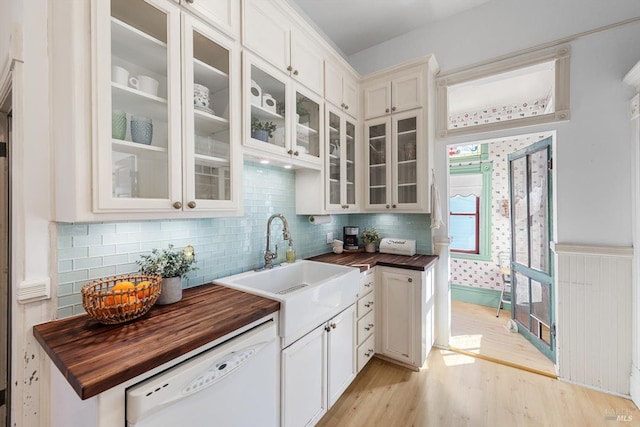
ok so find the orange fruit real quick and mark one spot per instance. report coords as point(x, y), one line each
point(143, 289)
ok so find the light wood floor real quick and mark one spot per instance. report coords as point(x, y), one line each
point(457, 390)
point(454, 389)
point(475, 328)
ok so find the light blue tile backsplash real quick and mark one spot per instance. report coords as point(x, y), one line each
point(223, 246)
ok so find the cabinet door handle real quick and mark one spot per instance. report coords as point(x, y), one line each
point(369, 353)
point(333, 325)
point(190, 1)
point(368, 327)
point(368, 285)
point(289, 68)
point(191, 204)
point(393, 206)
point(295, 153)
point(290, 152)
point(328, 329)
point(343, 105)
point(410, 280)
point(393, 108)
point(386, 110)
point(295, 72)
point(346, 107)
point(369, 304)
point(177, 205)
point(388, 206)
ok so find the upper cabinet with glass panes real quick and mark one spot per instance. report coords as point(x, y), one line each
point(283, 120)
point(167, 110)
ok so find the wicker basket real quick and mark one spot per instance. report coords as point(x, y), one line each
point(107, 306)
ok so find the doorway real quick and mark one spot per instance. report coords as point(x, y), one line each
point(5, 239)
point(480, 220)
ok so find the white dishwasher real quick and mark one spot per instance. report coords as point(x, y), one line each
point(235, 384)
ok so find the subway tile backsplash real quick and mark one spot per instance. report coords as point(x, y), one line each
point(223, 246)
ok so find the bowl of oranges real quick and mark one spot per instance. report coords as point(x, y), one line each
point(119, 299)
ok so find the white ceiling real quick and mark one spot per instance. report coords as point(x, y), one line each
point(355, 25)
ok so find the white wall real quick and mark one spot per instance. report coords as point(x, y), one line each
point(496, 28)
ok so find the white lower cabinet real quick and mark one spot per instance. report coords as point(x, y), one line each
point(365, 344)
point(405, 314)
point(317, 369)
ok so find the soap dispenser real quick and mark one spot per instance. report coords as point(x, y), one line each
point(291, 254)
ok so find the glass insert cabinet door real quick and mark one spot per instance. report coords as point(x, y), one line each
point(378, 156)
point(350, 163)
point(406, 133)
point(268, 109)
point(307, 124)
point(334, 169)
point(138, 92)
point(341, 162)
point(208, 151)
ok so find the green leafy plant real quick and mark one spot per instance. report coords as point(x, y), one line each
point(370, 235)
point(269, 127)
point(167, 262)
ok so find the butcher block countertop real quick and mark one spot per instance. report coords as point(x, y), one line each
point(94, 357)
point(368, 260)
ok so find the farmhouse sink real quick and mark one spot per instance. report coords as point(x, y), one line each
point(309, 292)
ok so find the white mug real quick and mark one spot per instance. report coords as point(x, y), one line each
point(269, 102)
point(145, 84)
point(119, 75)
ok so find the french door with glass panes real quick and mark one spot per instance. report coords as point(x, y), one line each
point(531, 261)
point(341, 162)
point(165, 101)
point(395, 156)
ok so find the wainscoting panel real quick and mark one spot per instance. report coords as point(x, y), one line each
point(594, 316)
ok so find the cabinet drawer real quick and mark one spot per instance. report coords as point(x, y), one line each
point(365, 326)
point(366, 351)
point(366, 304)
point(366, 284)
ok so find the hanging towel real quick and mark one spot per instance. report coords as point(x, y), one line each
point(436, 210)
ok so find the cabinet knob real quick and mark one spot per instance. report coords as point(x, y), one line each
point(290, 152)
point(369, 353)
point(386, 110)
point(333, 325)
point(343, 105)
point(190, 1)
point(410, 280)
point(328, 329)
point(295, 72)
point(369, 304)
point(393, 108)
point(346, 107)
point(393, 206)
point(368, 285)
point(177, 205)
point(191, 204)
point(388, 206)
point(289, 68)
point(296, 153)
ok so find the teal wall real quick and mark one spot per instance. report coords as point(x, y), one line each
point(223, 246)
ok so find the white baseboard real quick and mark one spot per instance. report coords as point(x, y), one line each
point(634, 385)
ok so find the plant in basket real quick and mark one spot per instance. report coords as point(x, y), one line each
point(172, 265)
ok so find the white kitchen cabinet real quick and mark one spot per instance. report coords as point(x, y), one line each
point(405, 91)
point(294, 113)
point(269, 33)
point(405, 315)
point(317, 369)
point(341, 88)
point(224, 14)
point(396, 163)
point(366, 320)
point(154, 155)
point(342, 162)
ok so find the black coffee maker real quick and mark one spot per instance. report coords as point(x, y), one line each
point(350, 237)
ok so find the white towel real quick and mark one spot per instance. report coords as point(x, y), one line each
point(436, 210)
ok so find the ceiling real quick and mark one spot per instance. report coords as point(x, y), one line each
point(355, 25)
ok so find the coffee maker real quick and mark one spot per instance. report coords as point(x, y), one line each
point(350, 237)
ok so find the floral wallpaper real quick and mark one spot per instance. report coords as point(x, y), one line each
point(486, 274)
point(498, 114)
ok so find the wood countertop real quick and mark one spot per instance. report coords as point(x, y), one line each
point(371, 259)
point(94, 357)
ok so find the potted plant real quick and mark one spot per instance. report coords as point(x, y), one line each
point(370, 237)
point(262, 130)
point(172, 265)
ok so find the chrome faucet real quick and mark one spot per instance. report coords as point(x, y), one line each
point(268, 255)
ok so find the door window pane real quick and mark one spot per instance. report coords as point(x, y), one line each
point(520, 208)
point(538, 209)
